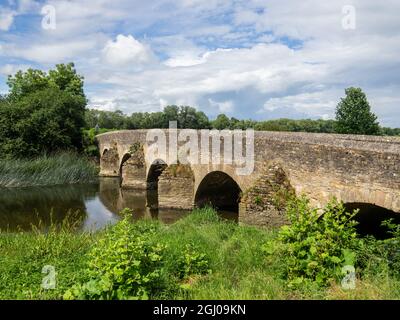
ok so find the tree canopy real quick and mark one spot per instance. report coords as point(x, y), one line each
point(353, 114)
point(42, 113)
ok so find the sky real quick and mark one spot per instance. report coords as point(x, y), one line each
point(250, 59)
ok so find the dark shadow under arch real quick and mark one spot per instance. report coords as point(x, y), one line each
point(370, 218)
point(153, 175)
point(124, 159)
point(219, 190)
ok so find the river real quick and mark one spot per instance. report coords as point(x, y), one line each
point(92, 205)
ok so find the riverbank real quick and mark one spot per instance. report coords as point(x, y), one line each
point(198, 257)
point(62, 168)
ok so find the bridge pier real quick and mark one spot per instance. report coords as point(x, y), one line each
point(109, 163)
point(133, 174)
point(176, 187)
point(133, 168)
point(264, 203)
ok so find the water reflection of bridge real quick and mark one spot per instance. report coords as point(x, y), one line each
point(87, 206)
point(143, 203)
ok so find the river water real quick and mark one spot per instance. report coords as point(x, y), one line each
point(92, 206)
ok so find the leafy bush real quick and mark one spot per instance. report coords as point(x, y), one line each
point(125, 264)
point(315, 246)
point(392, 247)
point(192, 262)
point(380, 257)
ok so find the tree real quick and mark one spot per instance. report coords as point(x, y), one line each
point(221, 122)
point(42, 113)
point(170, 114)
point(66, 78)
point(353, 114)
point(190, 118)
point(202, 120)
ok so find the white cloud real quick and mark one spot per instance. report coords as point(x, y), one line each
point(319, 104)
point(10, 69)
point(253, 59)
point(52, 52)
point(224, 107)
point(6, 19)
point(126, 50)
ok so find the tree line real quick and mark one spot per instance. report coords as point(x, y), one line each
point(188, 117)
point(47, 112)
point(353, 116)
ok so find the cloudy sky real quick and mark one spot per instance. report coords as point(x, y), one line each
point(259, 59)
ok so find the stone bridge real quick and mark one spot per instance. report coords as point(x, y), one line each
point(356, 169)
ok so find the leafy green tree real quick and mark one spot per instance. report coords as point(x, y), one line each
point(221, 122)
point(202, 120)
point(25, 83)
point(134, 121)
point(171, 113)
point(354, 116)
point(190, 118)
point(111, 119)
point(66, 78)
point(390, 131)
point(91, 118)
point(42, 112)
point(156, 120)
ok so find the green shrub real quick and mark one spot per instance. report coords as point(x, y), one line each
point(315, 246)
point(392, 247)
point(125, 264)
point(192, 262)
point(380, 257)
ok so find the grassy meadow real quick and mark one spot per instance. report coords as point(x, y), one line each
point(198, 257)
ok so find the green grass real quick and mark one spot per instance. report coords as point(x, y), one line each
point(239, 268)
point(63, 168)
point(23, 255)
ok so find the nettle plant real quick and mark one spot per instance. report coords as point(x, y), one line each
point(124, 264)
point(316, 245)
point(192, 262)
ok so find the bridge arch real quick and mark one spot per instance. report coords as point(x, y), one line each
point(219, 190)
point(153, 173)
point(370, 217)
point(123, 161)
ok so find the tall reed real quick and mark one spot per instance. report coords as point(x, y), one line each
point(62, 168)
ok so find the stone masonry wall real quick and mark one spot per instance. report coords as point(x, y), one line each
point(264, 203)
point(109, 163)
point(133, 170)
point(175, 187)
